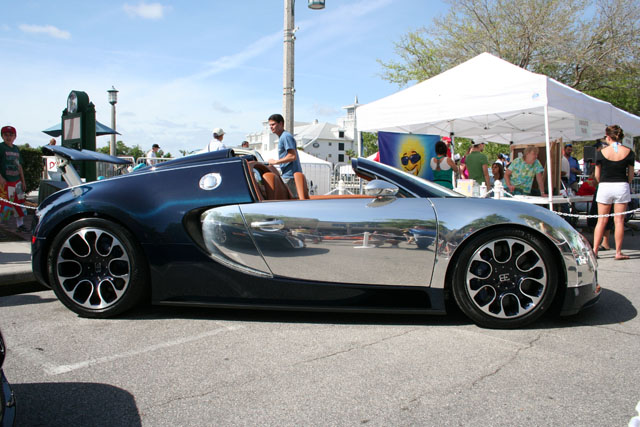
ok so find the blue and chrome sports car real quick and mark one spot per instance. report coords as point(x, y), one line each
point(222, 230)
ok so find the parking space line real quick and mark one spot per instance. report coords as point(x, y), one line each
point(52, 369)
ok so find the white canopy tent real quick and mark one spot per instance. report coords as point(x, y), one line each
point(487, 97)
point(491, 98)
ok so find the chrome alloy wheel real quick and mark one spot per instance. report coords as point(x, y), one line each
point(506, 278)
point(93, 268)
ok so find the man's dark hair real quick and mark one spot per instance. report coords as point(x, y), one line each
point(276, 118)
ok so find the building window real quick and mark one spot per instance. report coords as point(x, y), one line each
point(341, 146)
point(329, 144)
point(329, 155)
point(341, 134)
point(341, 157)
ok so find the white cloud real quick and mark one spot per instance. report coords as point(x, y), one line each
point(145, 10)
point(240, 58)
point(49, 30)
point(325, 110)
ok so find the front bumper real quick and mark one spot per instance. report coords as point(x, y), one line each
point(580, 297)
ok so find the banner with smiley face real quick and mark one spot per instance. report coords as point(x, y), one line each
point(408, 152)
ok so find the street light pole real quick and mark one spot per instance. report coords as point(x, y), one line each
point(287, 82)
point(113, 100)
point(288, 88)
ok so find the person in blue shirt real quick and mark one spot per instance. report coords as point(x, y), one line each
point(574, 167)
point(287, 152)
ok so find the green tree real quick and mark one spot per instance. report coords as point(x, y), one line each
point(32, 166)
point(121, 149)
point(369, 143)
point(590, 45)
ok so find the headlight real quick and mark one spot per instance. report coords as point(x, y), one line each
point(583, 253)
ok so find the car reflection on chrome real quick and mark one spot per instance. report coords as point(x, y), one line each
point(223, 230)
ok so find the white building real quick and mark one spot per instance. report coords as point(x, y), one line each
point(327, 141)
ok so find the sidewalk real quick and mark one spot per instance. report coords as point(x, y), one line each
point(15, 258)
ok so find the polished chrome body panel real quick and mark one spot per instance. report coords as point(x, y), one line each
point(228, 242)
point(361, 240)
point(459, 220)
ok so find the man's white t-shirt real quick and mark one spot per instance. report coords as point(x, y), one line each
point(151, 158)
point(216, 145)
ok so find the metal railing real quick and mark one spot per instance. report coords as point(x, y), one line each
point(344, 179)
point(108, 170)
point(153, 160)
point(318, 177)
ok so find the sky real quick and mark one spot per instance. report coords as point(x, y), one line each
point(183, 68)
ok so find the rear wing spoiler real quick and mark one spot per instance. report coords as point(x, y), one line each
point(65, 155)
point(87, 155)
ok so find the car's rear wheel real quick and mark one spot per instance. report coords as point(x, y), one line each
point(505, 278)
point(96, 268)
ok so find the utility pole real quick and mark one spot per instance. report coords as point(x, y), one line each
point(287, 84)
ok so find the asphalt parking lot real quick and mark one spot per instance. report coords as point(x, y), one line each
point(183, 366)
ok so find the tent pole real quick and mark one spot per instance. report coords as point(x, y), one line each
point(548, 151)
point(357, 136)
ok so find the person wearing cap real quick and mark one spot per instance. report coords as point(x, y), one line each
point(216, 143)
point(11, 176)
point(447, 141)
point(478, 164)
point(288, 158)
point(151, 155)
point(574, 167)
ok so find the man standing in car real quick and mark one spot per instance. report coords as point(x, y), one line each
point(287, 152)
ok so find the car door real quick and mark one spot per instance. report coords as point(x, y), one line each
point(360, 240)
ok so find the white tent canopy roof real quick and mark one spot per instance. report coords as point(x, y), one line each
point(493, 99)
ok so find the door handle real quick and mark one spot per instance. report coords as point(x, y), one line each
point(272, 225)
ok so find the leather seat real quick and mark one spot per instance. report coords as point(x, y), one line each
point(301, 185)
point(275, 188)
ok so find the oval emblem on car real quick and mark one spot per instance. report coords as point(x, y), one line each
point(210, 181)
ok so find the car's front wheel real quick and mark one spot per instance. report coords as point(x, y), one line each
point(96, 268)
point(506, 278)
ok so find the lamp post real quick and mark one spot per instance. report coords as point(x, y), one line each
point(289, 38)
point(113, 100)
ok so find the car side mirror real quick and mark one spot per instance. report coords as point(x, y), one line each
point(380, 188)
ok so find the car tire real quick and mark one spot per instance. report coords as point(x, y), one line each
point(96, 268)
point(505, 278)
